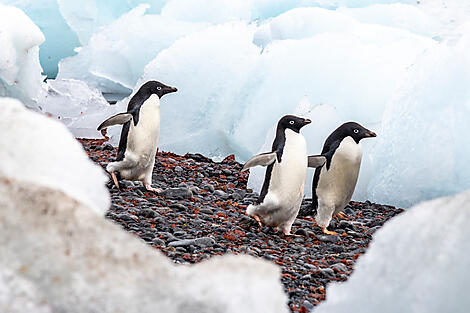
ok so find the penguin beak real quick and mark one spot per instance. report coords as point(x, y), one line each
point(371, 134)
point(307, 121)
point(172, 89)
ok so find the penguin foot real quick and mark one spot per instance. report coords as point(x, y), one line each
point(256, 217)
point(113, 176)
point(342, 215)
point(150, 188)
point(328, 232)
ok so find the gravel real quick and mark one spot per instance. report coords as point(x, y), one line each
point(200, 214)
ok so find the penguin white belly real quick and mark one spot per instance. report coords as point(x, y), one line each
point(142, 140)
point(288, 177)
point(336, 185)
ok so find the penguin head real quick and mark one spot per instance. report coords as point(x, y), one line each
point(292, 122)
point(155, 87)
point(355, 130)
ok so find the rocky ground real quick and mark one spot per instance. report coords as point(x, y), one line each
point(201, 214)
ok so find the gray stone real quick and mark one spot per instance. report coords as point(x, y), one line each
point(327, 272)
point(177, 193)
point(195, 190)
point(328, 238)
point(340, 267)
point(201, 242)
point(221, 194)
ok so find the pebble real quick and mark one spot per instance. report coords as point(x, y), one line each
point(202, 242)
point(328, 238)
point(177, 193)
point(201, 213)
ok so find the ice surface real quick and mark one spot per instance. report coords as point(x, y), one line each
point(60, 39)
point(398, 15)
point(80, 107)
point(115, 57)
point(423, 145)
point(418, 262)
point(87, 16)
point(37, 150)
point(20, 71)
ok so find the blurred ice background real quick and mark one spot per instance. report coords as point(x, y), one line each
point(400, 68)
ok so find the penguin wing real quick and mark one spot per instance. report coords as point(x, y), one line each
point(315, 161)
point(117, 119)
point(263, 159)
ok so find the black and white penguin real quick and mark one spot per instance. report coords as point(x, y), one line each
point(334, 182)
point(139, 135)
point(283, 188)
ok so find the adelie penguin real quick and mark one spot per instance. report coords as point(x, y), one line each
point(334, 183)
point(283, 188)
point(139, 135)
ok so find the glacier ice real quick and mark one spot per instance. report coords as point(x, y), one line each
point(60, 39)
point(418, 262)
point(115, 56)
point(87, 16)
point(422, 149)
point(20, 71)
point(80, 107)
point(38, 150)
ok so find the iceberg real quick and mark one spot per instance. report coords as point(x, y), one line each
point(20, 71)
point(78, 106)
point(418, 262)
point(115, 56)
point(60, 39)
point(421, 152)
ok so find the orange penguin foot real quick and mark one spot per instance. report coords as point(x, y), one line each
point(256, 217)
point(328, 232)
point(113, 176)
point(342, 215)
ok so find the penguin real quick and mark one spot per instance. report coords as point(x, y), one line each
point(334, 182)
point(139, 135)
point(284, 181)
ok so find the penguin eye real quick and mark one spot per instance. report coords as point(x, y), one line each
point(356, 131)
point(159, 88)
point(291, 122)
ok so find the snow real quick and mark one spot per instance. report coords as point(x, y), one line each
point(418, 262)
point(38, 150)
point(20, 71)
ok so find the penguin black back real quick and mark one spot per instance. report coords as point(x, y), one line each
point(145, 91)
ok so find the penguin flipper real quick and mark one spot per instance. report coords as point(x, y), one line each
point(117, 119)
point(263, 159)
point(315, 161)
